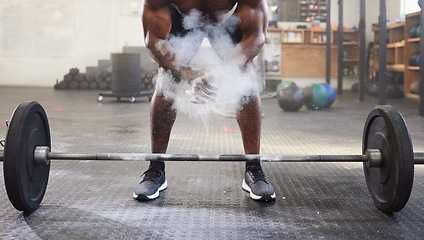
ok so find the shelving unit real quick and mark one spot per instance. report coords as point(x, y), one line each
point(395, 46)
point(412, 45)
point(306, 57)
point(293, 36)
point(350, 50)
point(313, 9)
point(319, 36)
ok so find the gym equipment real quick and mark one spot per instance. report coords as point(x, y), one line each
point(414, 32)
point(74, 80)
point(415, 87)
point(283, 84)
point(373, 89)
point(414, 59)
point(25, 180)
point(290, 98)
point(387, 156)
point(126, 78)
point(316, 96)
point(393, 91)
point(385, 129)
point(331, 94)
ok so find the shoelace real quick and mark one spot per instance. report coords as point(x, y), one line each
point(151, 175)
point(257, 174)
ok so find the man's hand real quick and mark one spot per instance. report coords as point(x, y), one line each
point(203, 88)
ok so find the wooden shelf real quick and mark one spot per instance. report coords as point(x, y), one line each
point(413, 68)
point(292, 36)
point(396, 49)
point(392, 45)
point(350, 43)
point(411, 95)
point(396, 67)
point(412, 45)
point(396, 44)
point(396, 25)
point(413, 40)
point(348, 30)
point(319, 36)
point(414, 14)
point(353, 60)
point(293, 55)
point(391, 26)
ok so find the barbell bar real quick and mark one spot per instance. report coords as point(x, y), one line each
point(387, 156)
point(373, 162)
point(43, 154)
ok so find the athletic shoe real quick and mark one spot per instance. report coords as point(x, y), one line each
point(256, 183)
point(152, 183)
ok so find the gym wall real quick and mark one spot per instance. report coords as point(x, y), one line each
point(42, 39)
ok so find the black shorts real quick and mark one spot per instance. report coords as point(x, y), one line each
point(230, 27)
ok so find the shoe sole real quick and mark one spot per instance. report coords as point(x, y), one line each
point(257, 197)
point(144, 197)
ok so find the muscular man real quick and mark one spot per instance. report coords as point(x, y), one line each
point(164, 21)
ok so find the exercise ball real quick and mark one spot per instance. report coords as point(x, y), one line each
point(290, 98)
point(413, 31)
point(331, 94)
point(316, 96)
point(418, 31)
point(283, 84)
point(415, 87)
point(393, 91)
point(373, 89)
point(414, 59)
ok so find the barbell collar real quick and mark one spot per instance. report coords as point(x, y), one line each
point(41, 155)
point(374, 158)
point(419, 158)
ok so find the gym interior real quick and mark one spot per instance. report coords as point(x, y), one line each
point(326, 67)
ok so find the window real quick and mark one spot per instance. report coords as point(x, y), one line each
point(409, 6)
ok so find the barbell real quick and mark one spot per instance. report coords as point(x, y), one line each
point(387, 156)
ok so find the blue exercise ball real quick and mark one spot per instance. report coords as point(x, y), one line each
point(316, 96)
point(331, 94)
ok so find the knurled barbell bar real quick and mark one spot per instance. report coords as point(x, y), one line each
point(387, 156)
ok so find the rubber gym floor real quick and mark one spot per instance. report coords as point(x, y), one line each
point(204, 200)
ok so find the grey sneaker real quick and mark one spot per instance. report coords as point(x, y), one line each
point(256, 183)
point(152, 183)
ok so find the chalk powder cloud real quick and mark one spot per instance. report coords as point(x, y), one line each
point(232, 81)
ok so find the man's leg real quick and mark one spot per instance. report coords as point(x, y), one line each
point(249, 119)
point(162, 118)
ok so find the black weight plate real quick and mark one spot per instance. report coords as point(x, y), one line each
point(26, 182)
point(389, 185)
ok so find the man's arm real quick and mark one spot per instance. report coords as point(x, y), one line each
point(253, 23)
point(157, 24)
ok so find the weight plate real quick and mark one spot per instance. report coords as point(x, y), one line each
point(389, 185)
point(26, 182)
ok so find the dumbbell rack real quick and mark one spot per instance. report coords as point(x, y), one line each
point(131, 97)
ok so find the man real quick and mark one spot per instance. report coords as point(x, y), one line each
point(167, 20)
